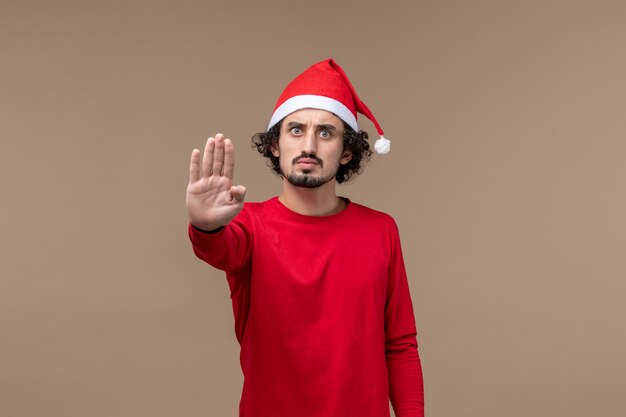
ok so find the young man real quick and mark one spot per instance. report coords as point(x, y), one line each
point(320, 295)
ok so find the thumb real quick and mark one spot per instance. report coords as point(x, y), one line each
point(238, 192)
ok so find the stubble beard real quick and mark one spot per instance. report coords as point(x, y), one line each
point(305, 179)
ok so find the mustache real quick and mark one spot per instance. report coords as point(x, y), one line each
point(308, 156)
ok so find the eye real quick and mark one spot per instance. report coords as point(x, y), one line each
point(296, 131)
point(325, 134)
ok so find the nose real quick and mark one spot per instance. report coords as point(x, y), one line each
point(310, 142)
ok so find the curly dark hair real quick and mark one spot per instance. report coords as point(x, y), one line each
point(355, 142)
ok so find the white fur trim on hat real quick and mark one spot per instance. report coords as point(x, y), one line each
point(314, 102)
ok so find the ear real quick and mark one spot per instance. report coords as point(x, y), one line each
point(274, 148)
point(346, 157)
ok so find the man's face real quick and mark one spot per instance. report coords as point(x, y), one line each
point(310, 147)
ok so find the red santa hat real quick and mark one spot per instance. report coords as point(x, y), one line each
point(326, 86)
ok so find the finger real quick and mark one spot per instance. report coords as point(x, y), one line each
point(238, 192)
point(207, 158)
point(218, 155)
point(229, 159)
point(194, 166)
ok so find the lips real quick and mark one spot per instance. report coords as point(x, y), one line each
point(307, 160)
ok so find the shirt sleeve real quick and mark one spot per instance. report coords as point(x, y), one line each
point(227, 248)
point(406, 386)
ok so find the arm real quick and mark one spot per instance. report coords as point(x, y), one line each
point(213, 202)
point(226, 248)
point(406, 387)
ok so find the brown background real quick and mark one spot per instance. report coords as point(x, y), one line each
point(507, 179)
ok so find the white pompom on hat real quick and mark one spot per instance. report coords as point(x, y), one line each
point(326, 86)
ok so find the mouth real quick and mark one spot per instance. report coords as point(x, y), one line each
point(307, 162)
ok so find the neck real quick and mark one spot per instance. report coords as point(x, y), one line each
point(320, 201)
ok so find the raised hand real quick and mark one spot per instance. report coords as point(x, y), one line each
point(212, 199)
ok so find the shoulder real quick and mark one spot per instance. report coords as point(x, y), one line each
point(374, 221)
point(372, 215)
point(260, 206)
point(257, 211)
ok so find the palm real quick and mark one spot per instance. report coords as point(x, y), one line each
point(212, 200)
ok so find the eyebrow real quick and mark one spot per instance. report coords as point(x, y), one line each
point(325, 126)
point(294, 124)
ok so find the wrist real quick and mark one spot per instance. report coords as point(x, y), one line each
point(208, 230)
point(205, 226)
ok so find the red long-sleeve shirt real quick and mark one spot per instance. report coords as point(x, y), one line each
point(322, 312)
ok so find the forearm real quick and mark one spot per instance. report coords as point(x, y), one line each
point(406, 385)
point(224, 248)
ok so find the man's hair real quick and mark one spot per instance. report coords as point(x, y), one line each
point(355, 142)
